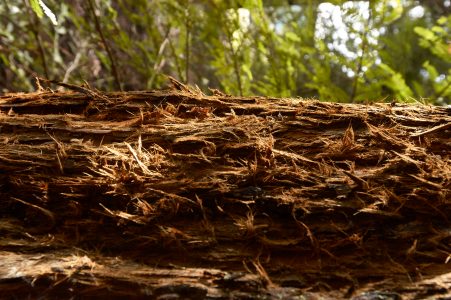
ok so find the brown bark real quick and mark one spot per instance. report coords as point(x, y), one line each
point(177, 194)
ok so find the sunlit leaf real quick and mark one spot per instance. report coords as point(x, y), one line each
point(292, 36)
point(48, 12)
point(425, 33)
point(36, 8)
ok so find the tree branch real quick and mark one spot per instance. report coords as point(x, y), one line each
point(105, 44)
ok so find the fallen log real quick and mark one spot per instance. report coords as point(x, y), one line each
point(175, 194)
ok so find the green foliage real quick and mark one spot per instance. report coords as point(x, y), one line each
point(436, 38)
point(39, 7)
point(379, 51)
point(438, 68)
point(36, 8)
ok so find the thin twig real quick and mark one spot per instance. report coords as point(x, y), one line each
point(159, 62)
point(187, 44)
point(176, 59)
point(234, 57)
point(105, 44)
point(433, 129)
point(46, 212)
point(76, 88)
point(274, 62)
point(72, 66)
point(34, 28)
point(360, 62)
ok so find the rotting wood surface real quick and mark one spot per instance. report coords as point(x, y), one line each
point(177, 195)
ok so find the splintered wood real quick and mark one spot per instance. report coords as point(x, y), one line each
point(178, 194)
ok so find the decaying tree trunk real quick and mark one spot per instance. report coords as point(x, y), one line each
point(177, 195)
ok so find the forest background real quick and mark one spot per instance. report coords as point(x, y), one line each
point(344, 51)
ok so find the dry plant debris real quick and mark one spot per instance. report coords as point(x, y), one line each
point(177, 194)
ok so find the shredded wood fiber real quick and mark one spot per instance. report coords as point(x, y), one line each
point(176, 193)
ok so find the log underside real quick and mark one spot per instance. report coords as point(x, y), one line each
point(174, 195)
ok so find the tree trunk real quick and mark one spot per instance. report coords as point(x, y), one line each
point(176, 195)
